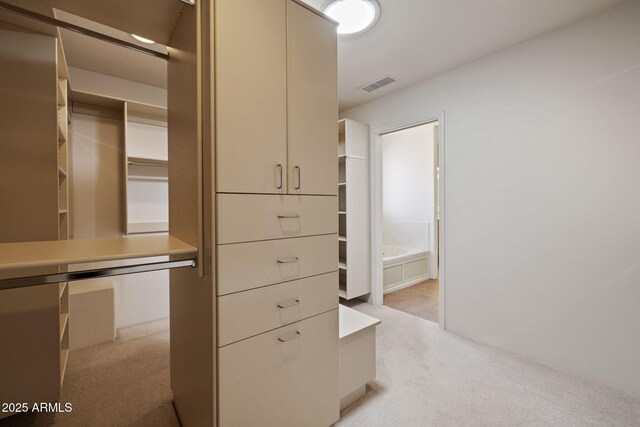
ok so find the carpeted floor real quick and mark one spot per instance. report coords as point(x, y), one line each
point(421, 299)
point(426, 377)
point(124, 383)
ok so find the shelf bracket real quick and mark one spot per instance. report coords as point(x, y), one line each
point(47, 279)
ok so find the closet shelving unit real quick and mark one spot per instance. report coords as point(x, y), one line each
point(145, 161)
point(63, 196)
point(353, 209)
point(146, 166)
point(203, 370)
point(37, 257)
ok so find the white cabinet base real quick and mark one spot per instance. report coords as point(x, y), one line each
point(93, 320)
point(353, 397)
point(357, 354)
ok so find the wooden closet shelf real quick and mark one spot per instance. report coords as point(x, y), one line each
point(64, 320)
point(61, 287)
point(64, 355)
point(63, 252)
point(143, 161)
point(61, 134)
point(62, 97)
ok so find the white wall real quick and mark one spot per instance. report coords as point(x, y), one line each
point(407, 187)
point(542, 188)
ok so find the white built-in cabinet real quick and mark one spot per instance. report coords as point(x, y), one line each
point(354, 211)
point(276, 98)
point(312, 100)
point(276, 214)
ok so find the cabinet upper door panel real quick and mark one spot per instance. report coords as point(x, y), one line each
point(312, 102)
point(251, 91)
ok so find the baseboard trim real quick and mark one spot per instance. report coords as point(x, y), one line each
point(406, 283)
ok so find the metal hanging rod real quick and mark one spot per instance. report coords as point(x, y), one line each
point(46, 279)
point(80, 30)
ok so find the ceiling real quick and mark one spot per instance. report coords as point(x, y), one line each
point(127, 15)
point(101, 57)
point(418, 39)
point(412, 41)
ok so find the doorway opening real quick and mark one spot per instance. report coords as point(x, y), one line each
point(410, 220)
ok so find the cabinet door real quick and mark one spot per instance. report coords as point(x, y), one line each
point(251, 90)
point(313, 102)
point(287, 377)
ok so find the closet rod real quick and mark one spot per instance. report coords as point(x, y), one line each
point(81, 30)
point(46, 279)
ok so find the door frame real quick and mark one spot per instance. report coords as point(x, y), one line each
point(377, 289)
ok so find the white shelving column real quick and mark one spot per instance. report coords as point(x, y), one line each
point(353, 209)
point(146, 168)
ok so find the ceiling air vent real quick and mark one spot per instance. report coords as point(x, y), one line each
point(377, 85)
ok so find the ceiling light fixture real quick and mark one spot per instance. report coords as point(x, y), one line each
point(142, 39)
point(354, 16)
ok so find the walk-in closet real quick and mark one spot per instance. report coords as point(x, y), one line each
point(115, 193)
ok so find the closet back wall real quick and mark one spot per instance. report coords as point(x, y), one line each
point(98, 206)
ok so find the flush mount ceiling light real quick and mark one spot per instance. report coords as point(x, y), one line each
point(354, 16)
point(142, 39)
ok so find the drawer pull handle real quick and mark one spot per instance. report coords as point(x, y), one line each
point(288, 260)
point(280, 181)
point(289, 304)
point(292, 337)
point(297, 169)
point(288, 216)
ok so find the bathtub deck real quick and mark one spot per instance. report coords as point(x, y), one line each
point(420, 300)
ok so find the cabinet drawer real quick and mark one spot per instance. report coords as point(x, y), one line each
point(252, 217)
point(244, 314)
point(286, 377)
point(244, 266)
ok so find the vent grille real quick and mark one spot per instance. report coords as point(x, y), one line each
point(380, 83)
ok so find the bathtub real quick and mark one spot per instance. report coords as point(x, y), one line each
point(403, 267)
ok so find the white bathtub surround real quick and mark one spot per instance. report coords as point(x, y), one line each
point(408, 189)
point(403, 267)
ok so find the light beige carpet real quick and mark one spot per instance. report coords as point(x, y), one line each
point(426, 377)
point(125, 383)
